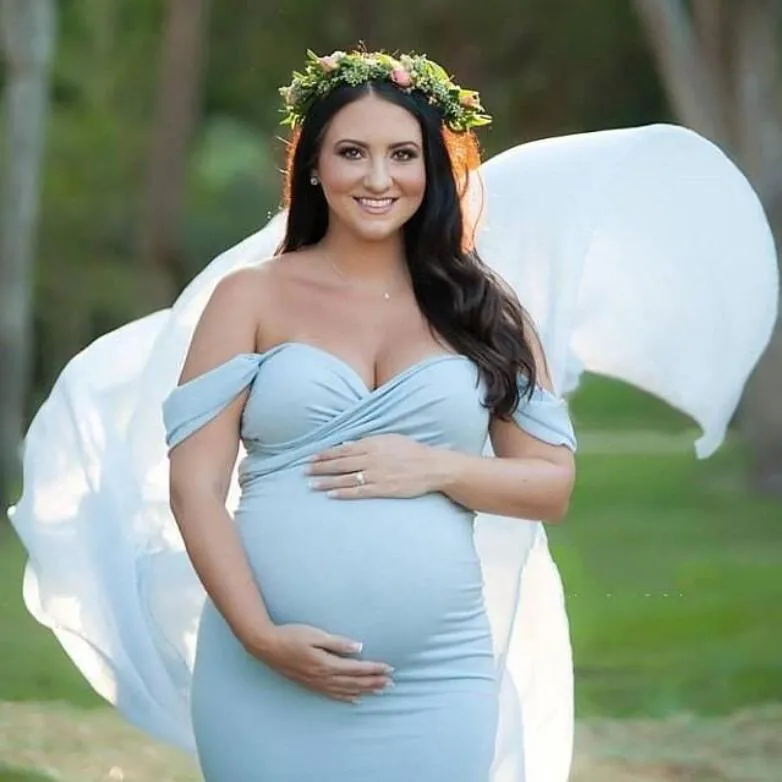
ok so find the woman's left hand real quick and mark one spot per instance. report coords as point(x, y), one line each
point(387, 465)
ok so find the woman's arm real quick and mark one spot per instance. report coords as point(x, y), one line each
point(528, 478)
point(201, 467)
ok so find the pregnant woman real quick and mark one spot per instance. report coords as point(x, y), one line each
point(363, 369)
point(369, 595)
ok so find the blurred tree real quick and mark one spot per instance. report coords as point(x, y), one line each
point(719, 63)
point(102, 100)
point(365, 17)
point(27, 28)
point(181, 62)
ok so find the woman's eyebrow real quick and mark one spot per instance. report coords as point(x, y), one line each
point(395, 145)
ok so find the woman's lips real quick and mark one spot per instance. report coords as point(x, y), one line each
point(376, 206)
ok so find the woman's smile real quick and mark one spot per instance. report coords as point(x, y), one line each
point(375, 206)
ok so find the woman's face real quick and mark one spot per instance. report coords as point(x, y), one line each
point(371, 167)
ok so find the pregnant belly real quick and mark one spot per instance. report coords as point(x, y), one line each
point(402, 576)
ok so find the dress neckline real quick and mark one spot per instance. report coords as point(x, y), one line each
point(393, 380)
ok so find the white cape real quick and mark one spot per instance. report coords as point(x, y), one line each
point(642, 254)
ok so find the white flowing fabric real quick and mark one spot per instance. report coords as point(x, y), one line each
point(642, 254)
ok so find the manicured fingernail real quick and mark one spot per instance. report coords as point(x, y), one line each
point(313, 484)
point(391, 683)
point(358, 647)
point(332, 493)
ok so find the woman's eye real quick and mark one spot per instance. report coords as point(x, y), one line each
point(352, 153)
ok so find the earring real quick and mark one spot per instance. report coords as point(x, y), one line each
point(314, 181)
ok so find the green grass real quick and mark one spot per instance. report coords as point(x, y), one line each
point(672, 572)
point(671, 568)
point(34, 666)
point(8, 774)
point(605, 404)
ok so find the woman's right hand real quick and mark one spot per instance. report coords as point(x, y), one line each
point(315, 659)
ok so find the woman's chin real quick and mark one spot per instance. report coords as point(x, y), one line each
point(376, 231)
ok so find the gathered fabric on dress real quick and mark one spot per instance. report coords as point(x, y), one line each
point(642, 254)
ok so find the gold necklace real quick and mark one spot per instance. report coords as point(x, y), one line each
point(385, 293)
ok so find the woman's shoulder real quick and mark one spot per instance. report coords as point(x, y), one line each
point(268, 274)
point(264, 293)
point(252, 284)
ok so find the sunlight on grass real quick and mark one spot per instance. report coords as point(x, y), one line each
point(74, 745)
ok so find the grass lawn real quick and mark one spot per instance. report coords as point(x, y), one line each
point(34, 667)
point(672, 572)
point(602, 404)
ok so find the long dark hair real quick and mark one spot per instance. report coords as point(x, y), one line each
point(460, 297)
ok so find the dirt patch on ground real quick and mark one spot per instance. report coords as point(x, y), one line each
point(744, 747)
point(40, 742)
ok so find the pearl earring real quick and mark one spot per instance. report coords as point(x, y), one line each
point(314, 180)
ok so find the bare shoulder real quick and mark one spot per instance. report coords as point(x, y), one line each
point(292, 268)
point(243, 286)
point(229, 322)
point(258, 290)
point(245, 304)
point(269, 278)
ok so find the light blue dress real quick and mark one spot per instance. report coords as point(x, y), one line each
point(400, 575)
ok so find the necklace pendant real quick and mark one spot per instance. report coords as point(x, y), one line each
point(386, 295)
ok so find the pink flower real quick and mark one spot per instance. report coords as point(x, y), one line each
point(401, 77)
point(329, 63)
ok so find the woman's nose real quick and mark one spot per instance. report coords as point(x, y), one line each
point(378, 178)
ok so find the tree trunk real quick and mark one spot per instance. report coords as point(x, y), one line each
point(713, 38)
point(181, 63)
point(691, 87)
point(27, 28)
point(758, 116)
point(723, 81)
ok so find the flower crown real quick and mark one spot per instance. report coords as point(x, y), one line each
point(460, 109)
